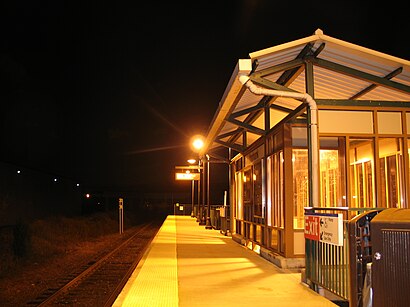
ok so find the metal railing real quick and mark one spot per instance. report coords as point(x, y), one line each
point(360, 254)
point(330, 266)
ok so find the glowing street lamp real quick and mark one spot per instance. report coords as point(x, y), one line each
point(197, 143)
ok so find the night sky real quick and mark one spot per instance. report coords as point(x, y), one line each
point(110, 92)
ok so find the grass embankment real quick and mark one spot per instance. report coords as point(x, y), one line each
point(42, 239)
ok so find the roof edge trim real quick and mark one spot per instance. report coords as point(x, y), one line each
point(320, 37)
point(243, 66)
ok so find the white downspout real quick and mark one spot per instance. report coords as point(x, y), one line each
point(313, 126)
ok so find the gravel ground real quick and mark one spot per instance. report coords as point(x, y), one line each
point(31, 279)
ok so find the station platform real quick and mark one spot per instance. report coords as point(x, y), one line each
point(188, 265)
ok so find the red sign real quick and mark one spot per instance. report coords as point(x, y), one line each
point(327, 228)
point(312, 227)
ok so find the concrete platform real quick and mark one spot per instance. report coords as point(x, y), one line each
point(188, 265)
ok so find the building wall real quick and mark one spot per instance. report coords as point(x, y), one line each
point(364, 162)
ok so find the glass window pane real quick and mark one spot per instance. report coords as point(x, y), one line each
point(362, 173)
point(274, 239)
point(408, 122)
point(300, 186)
point(389, 122)
point(299, 136)
point(239, 193)
point(280, 202)
point(269, 190)
point(257, 188)
point(391, 174)
point(247, 195)
point(275, 190)
point(329, 177)
point(345, 121)
point(332, 157)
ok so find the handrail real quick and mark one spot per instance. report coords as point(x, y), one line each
point(332, 267)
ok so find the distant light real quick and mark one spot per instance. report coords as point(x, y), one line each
point(55, 179)
point(18, 172)
point(191, 161)
point(187, 176)
point(77, 184)
point(87, 195)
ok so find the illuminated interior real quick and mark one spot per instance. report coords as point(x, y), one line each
point(356, 169)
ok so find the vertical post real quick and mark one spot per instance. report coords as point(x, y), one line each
point(121, 215)
point(198, 212)
point(202, 218)
point(230, 184)
point(193, 196)
point(208, 212)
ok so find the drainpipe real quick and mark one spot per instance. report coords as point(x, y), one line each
point(312, 127)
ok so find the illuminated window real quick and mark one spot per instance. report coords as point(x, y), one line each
point(257, 188)
point(361, 152)
point(332, 177)
point(329, 175)
point(275, 190)
point(269, 191)
point(247, 195)
point(391, 174)
point(239, 200)
point(300, 186)
point(332, 156)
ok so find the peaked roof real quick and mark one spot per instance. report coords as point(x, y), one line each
point(330, 70)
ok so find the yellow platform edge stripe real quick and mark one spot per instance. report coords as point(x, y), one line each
point(155, 280)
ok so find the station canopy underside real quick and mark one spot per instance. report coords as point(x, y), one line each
point(332, 71)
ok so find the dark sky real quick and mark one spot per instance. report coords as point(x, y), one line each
point(110, 92)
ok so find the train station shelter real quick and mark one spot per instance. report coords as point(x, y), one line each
point(315, 122)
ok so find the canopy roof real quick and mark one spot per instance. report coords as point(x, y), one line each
point(330, 70)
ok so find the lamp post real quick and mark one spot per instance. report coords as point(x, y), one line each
point(192, 161)
point(198, 212)
point(197, 142)
point(208, 224)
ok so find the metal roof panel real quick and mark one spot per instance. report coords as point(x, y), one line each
point(350, 66)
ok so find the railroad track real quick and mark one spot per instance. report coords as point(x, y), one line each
point(100, 281)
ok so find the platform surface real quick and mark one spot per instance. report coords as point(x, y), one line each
point(188, 265)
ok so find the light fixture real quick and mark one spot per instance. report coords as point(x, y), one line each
point(197, 142)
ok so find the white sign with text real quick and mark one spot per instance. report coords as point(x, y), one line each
point(326, 228)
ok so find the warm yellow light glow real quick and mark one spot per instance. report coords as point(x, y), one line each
point(187, 176)
point(257, 249)
point(197, 142)
point(183, 176)
point(363, 160)
point(191, 161)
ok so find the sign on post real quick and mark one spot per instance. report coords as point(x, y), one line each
point(186, 176)
point(327, 228)
point(121, 214)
